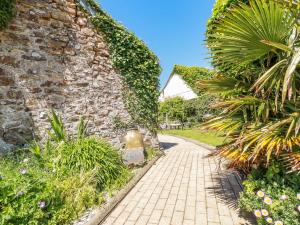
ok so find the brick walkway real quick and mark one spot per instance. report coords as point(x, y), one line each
point(184, 187)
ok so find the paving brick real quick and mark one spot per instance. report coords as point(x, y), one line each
point(177, 218)
point(180, 189)
point(212, 215)
point(148, 209)
point(201, 219)
point(161, 203)
point(155, 216)
point(189, 213)
point(143, 220)
point(180, 205)
point(226, 220)
point(168, 210)
point(165, 221)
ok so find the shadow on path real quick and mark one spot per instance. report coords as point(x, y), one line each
point(167, 145)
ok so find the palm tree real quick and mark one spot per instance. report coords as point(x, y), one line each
point(259, 45)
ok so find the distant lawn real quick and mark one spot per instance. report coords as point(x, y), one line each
point(210, 138)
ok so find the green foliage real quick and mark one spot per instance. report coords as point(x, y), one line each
point(174, 110)
point(261, 116)
point(199, 109)
point(282, 189)
point(192, 111)
point(191, 75)
point(210, 138)
point(58, 131)
point(150, 153)
point(250, 33)
point(82, 129)
point(138, 66)
point(91, 154)
point(119, 126)
point(56, 182)
point(221, 7)
point(7, 8)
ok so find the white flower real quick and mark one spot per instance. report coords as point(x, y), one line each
point(284, 197)
point(298, 208)
point(257, 213)
point(260, 194)
point(264, 212)
point(269, 220)
point(23, 171)
point(298, 196)
point(278, 222)
point(268, 200)
point(25, 160)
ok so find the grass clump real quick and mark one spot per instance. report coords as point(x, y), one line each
point(91, 154)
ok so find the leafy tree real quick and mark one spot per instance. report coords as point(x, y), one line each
point(174, 110)
point(259, 44)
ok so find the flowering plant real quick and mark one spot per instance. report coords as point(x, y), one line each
point(272, 196)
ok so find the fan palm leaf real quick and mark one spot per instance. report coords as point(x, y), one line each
point(241, 34)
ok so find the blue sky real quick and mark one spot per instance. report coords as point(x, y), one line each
point(173, 29)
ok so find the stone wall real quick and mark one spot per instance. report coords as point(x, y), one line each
point(52, 57)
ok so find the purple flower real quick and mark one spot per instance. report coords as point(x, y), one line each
point(42, 204)
point(23, 171)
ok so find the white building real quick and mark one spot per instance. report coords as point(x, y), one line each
point(176, 87)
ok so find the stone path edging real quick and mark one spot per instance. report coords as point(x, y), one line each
point(107, 208)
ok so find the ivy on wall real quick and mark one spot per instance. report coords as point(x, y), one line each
point(192, 74)
point(138, 66)
point(6, 12)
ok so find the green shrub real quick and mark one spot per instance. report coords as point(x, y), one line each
point(282, 189)
point(28, 194)
point(57, 182)
point(91, 154)
point(150, 153)
point(6, 12)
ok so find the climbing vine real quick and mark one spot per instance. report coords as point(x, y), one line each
point(6, 12)
point(138, 66)
point(192, 74)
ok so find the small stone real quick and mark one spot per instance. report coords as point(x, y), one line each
point(61, 16)
point(82, 21)
point(43, 115)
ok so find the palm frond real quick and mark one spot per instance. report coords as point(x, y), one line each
point(242, 35)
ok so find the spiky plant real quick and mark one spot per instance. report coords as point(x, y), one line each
point(259, 43)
